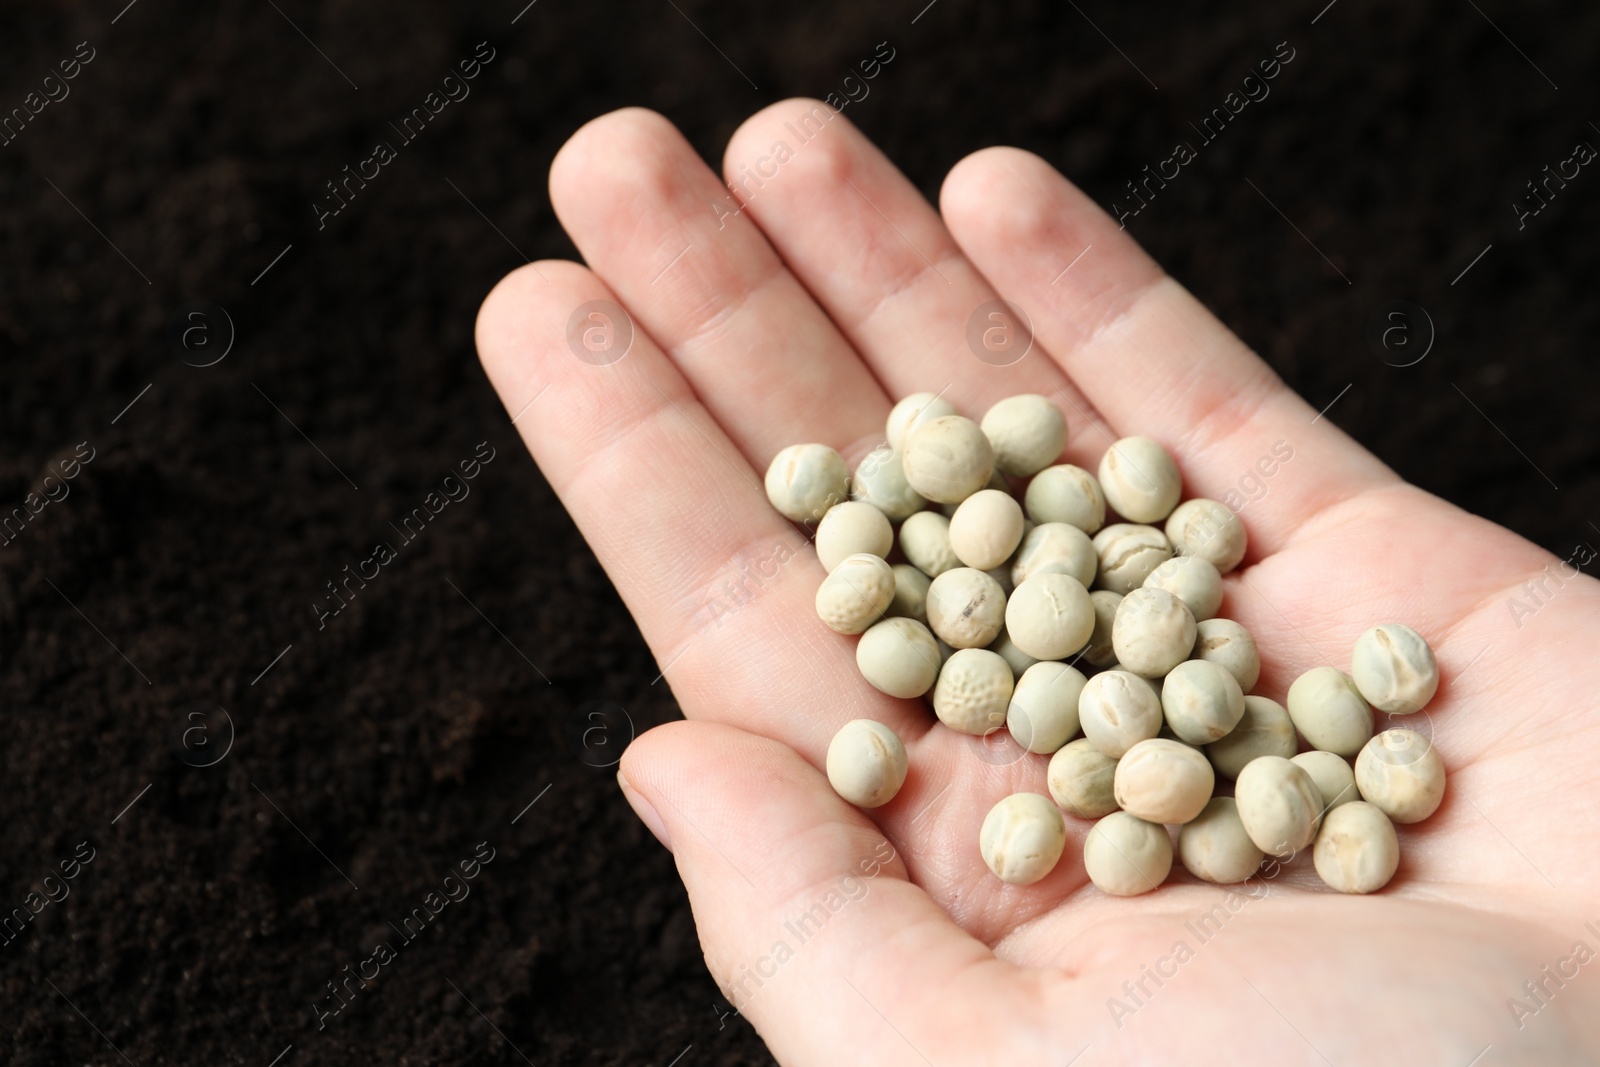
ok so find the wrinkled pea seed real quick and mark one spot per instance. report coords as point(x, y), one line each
point(1015, 658)
point(913, 411)
point(1214, 847)
point(1202, 702)
point(898, 657)
point(1057, 547)
point(880, 480)
point(1278, 804)
point(1082, 779)
point(1263, 730)
point(1066, 494)
point(966, 608)
point(948, 459)
point(1043, 714)
point(1163, 781)
point(986, 529)
point(1124, 855)
point(925, 539)
point(1050, 616)
point(1192, 580)
point(1356, 850)
point(1208, 530)
point(1128, 554)
point(1152, 633)
point(973, 692)
point(1022, 838)
point(1027, 432)
point(866, 763)
point(1099, 652)
point(1394, 669)
point(1117, 710)
point(1400, 773)
point(852, 528)
point(1334, 778)
point(804, 481)
point(1230, 646)
point(910, 593)
point(1329, 712)
point(855, 594)
point(1140, 480)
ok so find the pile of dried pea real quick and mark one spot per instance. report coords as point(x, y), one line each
point(1035, 616)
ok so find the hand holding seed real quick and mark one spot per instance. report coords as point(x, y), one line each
point(803, 314)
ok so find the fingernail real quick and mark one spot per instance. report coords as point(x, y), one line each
point(647, 814)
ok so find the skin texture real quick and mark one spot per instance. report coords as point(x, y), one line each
point(846, 315)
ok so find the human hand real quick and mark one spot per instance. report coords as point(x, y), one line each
point(803, 316)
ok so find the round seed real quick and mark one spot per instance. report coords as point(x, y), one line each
point(1022, 838)
point(1336, 782)
point(1400, 773)
point(1278, 804)
point(804, 481)
point(1068, 494)
point(852, 528)
point(1015, 658)
point(1193, 581)
point(1055, 546)
point(986, 529)
point(1263, 730)
point(1208, 530)
point(880, 480)
point(866, 763)
point(1128, 553)
point(913, 411)
point(1027, 432)
point(973, 691)
point(1202, 702)
point(1394, 669)
point(1099, 652)
point(925, 539)
point(1328, 711)
point(966, 608)
point(1117, 710)
point(1230, 646)
point(1163, 781)
point(1357, 850)
point(1124, 855)
point(1152, 632)
point(948, 459)
point(1140, 480)
point(1081, 779)
point(910, 593)
point(1214, 847)
point(1044, 706)
point(1050, 616)
point(898, 657)
point(855, 594)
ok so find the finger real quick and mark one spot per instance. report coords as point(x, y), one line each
point(876, 255)
point(653, 221)
point(678, 518)
point(1149, 355)
point(806, 918)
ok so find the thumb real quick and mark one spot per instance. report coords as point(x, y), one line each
point(806, 918)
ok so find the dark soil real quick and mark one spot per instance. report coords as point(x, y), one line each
point(392, 738)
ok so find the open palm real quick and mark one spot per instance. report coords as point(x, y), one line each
point(802, 316)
